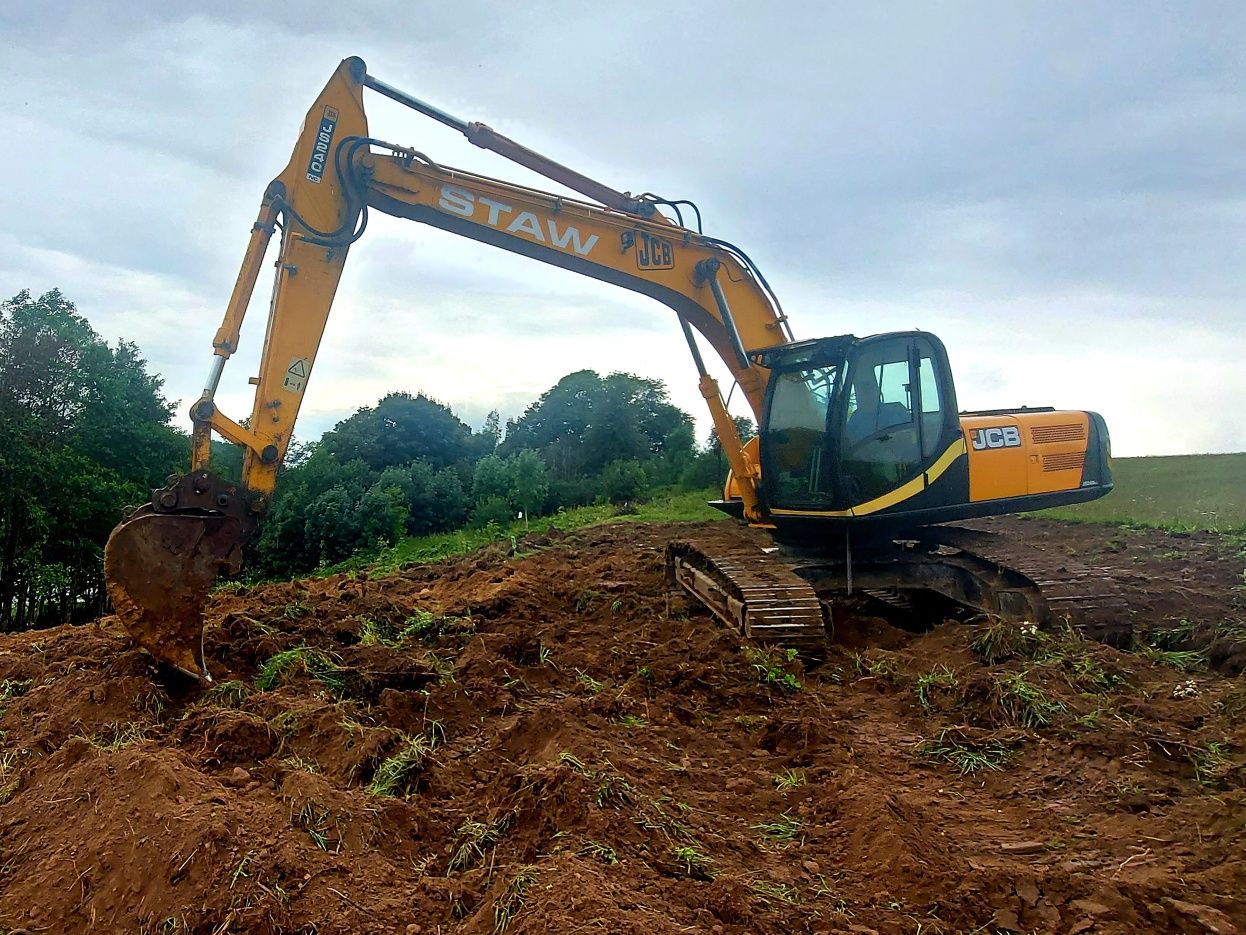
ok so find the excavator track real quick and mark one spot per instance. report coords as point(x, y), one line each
point(752, 590)
point(779, 595)
point(1067, 592)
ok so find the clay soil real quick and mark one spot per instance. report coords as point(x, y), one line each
point(550, 742)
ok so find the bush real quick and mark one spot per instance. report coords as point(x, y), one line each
point(624, 481)
point(491, 510)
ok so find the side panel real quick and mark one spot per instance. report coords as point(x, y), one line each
point(997, 457)
point(1056, 442)
point(1014, 454)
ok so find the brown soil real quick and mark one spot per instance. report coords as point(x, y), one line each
point(605, 758)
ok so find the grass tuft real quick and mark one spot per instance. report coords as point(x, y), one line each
point(770, 667)
point(966, 756)
point(394, 774)
point(942, 677)
point(1024, 703)
point(290, 663)
point(512, 898)
point(789, 779)
point(474, 839)
point(783, 830)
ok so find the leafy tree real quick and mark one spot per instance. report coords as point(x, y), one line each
point(83, 432)
point(491, 480)
point(529, 483)
point(399, 430)
point(624, 481)
point(585, 421)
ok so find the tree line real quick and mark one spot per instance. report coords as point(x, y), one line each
point(85, 432)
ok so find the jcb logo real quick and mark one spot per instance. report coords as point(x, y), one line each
point(651, 252)
point(1004, 436)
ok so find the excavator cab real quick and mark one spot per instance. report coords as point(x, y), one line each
point(850, 422)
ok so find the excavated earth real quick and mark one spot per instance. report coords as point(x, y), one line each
point(549, 741)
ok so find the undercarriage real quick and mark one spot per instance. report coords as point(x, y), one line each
point(786, 593)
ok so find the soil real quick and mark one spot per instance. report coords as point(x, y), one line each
point(558, 744)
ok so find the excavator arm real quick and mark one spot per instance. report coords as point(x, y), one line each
point(161, 561)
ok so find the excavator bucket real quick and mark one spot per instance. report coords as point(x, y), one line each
point(159, 568)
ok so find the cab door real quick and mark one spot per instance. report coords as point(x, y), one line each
point(894, 416)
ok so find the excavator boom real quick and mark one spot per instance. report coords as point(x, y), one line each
point(161, 561)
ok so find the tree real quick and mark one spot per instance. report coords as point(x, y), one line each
point(399, 430)
point(529, 483)
point(83, 432)
point(585, 421)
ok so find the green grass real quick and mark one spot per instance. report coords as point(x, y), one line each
point(393, 776)
point(1179, 492)
point(670, 506)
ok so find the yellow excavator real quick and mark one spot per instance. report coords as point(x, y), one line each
point(860, 459)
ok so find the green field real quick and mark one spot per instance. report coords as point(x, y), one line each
point(665, 507)
point(1180, 492)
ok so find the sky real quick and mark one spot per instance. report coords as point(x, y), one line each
point(1057, 190)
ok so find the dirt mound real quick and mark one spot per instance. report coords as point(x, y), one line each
point(551, 742)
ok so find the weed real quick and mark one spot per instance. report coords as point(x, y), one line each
point(512, 899)
point(645, 673)
point(594, 687)
point(241, 870)
point(14, 688)
point(1171, 637)
point(429, 627)
point(942, 677)
point(1183, 660)
point(1001, 641)
point(692, 862)
point(117, 734)
point(1025, 703)
point(784, 829)
point(789, 779)
point(10, 778)
point(393, 775)
point(287, 664)
point(300, 764)
point(598, 851)
point(1211, 762)
point(613, 792)
point(474, 839)
point(967, 757)
point(617, 607)
point(1087, 674)
point(633, 720)
point(314, 819)
point(296, 610)
point(585, 601)
point(231, 693)
point(879, 667)
point(375, 633)
point(770, 891)
point(573, 761)
point(770, 668)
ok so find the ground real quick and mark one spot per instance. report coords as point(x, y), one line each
point(549, 741)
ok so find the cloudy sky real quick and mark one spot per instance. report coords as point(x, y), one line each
point(1057, 190)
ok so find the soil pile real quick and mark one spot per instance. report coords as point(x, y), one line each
point(550, 742)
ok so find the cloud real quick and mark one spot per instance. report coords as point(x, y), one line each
point(1055, 190)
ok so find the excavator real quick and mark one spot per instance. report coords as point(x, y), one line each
point(861, 459)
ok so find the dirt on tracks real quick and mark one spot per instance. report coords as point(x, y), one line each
point(550, 742)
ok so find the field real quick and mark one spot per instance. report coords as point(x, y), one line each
point(1183, 492)
point(537, 736)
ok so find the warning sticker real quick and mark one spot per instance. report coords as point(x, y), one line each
point(296, 375)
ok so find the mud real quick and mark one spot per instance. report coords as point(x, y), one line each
point(550, 742)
